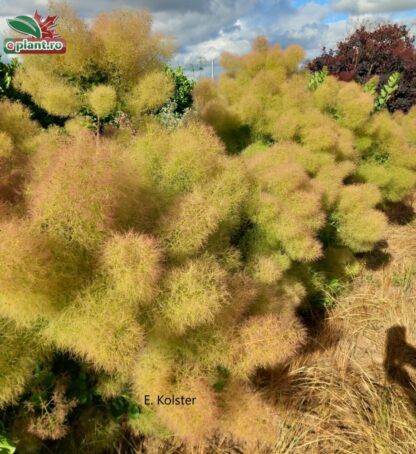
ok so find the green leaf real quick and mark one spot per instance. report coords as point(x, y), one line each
point(133, 411)
point(118, 407)
point(26, 25)
point(218, 387)
point(5, 446)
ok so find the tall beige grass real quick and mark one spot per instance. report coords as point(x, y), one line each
point(352, 390)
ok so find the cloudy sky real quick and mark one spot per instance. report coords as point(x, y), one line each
point(205, 28)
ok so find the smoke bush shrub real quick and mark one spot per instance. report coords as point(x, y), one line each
point(19, 353)
point(166, 265)
point(133, 264)
point(116, 62)
point(328, 137)
point(126, 255)
point(103, 100)
point(16, 133)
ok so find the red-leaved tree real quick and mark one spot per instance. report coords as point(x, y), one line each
point(380, 52)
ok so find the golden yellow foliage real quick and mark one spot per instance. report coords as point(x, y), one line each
point(117, 60)
point(16, 123)
point(193, 294)
point(6, 145)
point(166, 265)
point(78, 124)
point(264, 341)
point(153, 90)
point(303, 149)
point(360, 225)
point(38, 274)
point(82, 212)
point(19, 353)
point(128, 48)
point(98, 329)
point(48, 91)
point(191, 423)
point(103, 100)
point(134, 265)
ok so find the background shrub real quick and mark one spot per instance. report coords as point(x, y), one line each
point(380, 51)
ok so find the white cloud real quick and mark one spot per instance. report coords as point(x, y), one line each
point(194, 26)
point(374, 6)
point(303, 25)
point(236, 40)
point(280, 23)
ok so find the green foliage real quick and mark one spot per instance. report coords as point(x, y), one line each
point(387, 91)
point(183, 89)
point(371, 86)
point(6, 74)
point(6, 446)
point(124, 406)
point(317, 78)
point(177, 108)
